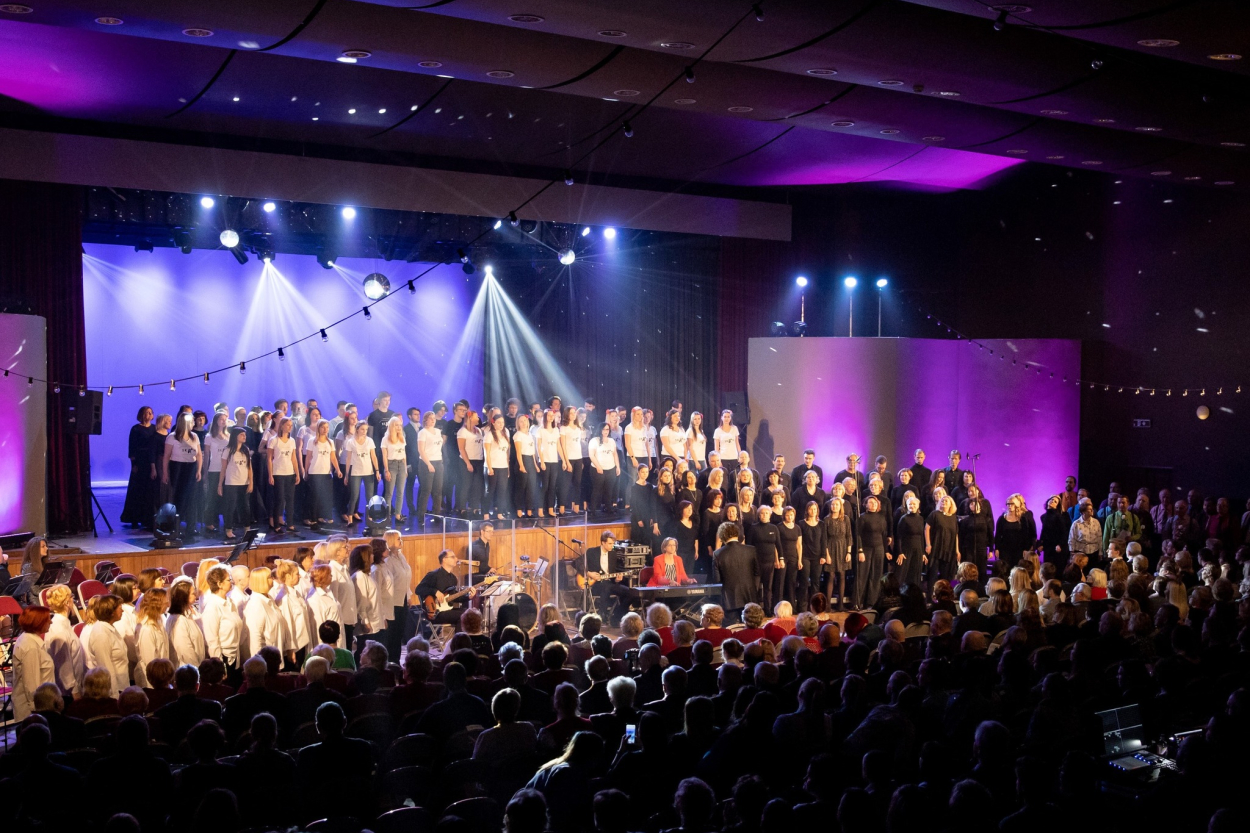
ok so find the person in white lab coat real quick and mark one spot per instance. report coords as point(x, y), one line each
point(321, 602)
point(151, 640)
point(223, 627)
point(369, 614)
point(296, 615)
point(106, 647)
point(343, 590)
point(32, 666)
point(261, 615)
point(187, 645)
point(63, 645)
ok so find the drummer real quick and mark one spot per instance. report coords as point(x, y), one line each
point(595, 567)
point(440, 583)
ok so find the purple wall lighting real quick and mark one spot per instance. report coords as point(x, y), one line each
point(152, 317)
point(891, 396)
point(23, 431)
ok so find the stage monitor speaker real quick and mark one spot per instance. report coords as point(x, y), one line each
point(736, 401)
point(82, 414)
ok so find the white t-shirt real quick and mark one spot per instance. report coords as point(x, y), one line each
point(183, 452)
point(698, 445)
point(673, 441)
point(430, 444)
point(636, 440)
point(571, 436)
point(729, 446)
point(283, 456)
point(394, 450)
point(549, 445)
point(214, 447)
point(321, 454)
point(306, 436)
point(524, 444)
point(359, 461)
point(603, 453)
point(618, 436)
point(496, 452)
point(236, 469)
point(651, 444)
point(472, 442)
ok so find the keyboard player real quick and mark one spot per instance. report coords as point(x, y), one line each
point(667, 569)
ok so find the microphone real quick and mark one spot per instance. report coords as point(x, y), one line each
point(575, 541)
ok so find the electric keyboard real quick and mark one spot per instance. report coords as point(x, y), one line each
point(678, 591)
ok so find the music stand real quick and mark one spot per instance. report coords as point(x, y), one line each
point(52, 572)
point(250, 537)
point(540, 574)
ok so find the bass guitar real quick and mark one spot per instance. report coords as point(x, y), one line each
point(437, 603)
point(585, 581)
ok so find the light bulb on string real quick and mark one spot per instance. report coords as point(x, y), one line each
point(172, 386)
point(324, 336)
point(281, 355)
point(30, 381)
point(110, 391)
point(82, 391)
point(368, 315)
point(56, 388)
point(206, 377)
point(141, 390)
point(412, 287)
point(242, 368)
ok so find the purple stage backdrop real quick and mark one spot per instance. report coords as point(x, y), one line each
point(24, 430)
point(153, 316)
point(891, 396)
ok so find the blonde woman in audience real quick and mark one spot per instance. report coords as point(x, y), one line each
point(106, 647)
point(62, 645)
point(261, 616)
point(151, 638)
point(187, 645)
point(201, 579)
point(223, 627)
point(1020, 586)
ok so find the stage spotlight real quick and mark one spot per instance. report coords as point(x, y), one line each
point(609, 233)
point(326, 260)
point(529, 226)
point(567, 257)
point(239, 255)
point(349, 213)
point(468, 267)
point(229, 238)
point(269, 207)
point(266, 254)
point(165, 527)
point(377, 516)
point(777, 329)
point(1000, 22)
point(798, 329)
point(882, 283)
point(850, 282)
point(800, 281)
point(460, 253)
point(585, 231)
point(490, 271)
point(377, 286)
point(498, 225)
point(207, 202)
point(182, 239)
point(144, 246)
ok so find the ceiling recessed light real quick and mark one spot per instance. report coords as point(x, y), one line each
point(1012, 8)
point(1158, 43)
point(440, 75)
point(1160, 173)
point(1149, 129)
point(1167, 202)
point(1225, 56)
point(675, 44)
point(429, 64)
point(358, 54)
point(1017, 151)
point(741, 109)
point(343, 59)
point(625, 93)
point(351, 112)
point(1225, 182)
point(891, 82)
point(934, 139)
point(316, 118)
point(1054, 112)
point(843, 123)
point(1233, 144)
point(414, 107)
point(381, 111)
point(525, 18)
point(889, 131)
point(1091, 162)
point(1104, 121)
point(1056, 156)
point(822, 71)
point(198, 33)
point(1192, 178)
point(109, 21)
point(236, 98)
point(683, 101)
point(500, 73)
point(948, 93)
point(611, 33)
point(15, 8)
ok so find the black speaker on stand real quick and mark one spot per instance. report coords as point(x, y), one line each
point(82, 412)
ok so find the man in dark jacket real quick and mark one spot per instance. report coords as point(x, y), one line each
point(735, 569)
point(241, 708)
point(177, 718)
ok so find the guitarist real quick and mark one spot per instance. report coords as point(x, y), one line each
point(442, 582)
point(595, 566)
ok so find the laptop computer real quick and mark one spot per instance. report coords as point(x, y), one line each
point(1125, 745)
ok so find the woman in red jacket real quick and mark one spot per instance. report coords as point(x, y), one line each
point(667, 569)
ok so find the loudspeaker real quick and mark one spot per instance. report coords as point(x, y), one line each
point(82, 414)
point(736, 401)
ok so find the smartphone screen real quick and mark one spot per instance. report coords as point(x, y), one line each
point(629, 733)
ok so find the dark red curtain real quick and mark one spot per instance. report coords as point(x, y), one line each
point(41, 274)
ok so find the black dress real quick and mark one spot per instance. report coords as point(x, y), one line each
point(1011, 539)
point(943, 546)
point(161, 493)
point(813, 551)
point(909, 544)
point(838, 540)
point(709, 524)
point(873, 530)
point(687, 542)
point(141, 489)
point(1055, 529)
point(790, 588)
point(766, 540)
point(976, 534)
point(696, 501)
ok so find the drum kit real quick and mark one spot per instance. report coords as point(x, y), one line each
point(523, 588)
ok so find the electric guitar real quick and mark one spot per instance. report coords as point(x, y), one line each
point(585, 581)
point(434, 605)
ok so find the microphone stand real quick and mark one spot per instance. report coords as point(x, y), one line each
point(555, 581)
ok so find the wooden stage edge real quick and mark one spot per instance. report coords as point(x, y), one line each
point(421, 550)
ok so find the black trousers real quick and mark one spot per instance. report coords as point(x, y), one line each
point(571, 483)
point(410, 484)
point(431, 487)
point(182, 486)
point(602, 490)
point(499, 498)
point(283, 499)
point(769, 580)
point(525, 487)
point(453, 481)
point(606, 592)
point(234, 509)
point(321, 492)
point(473, 489)
point(551, 481)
